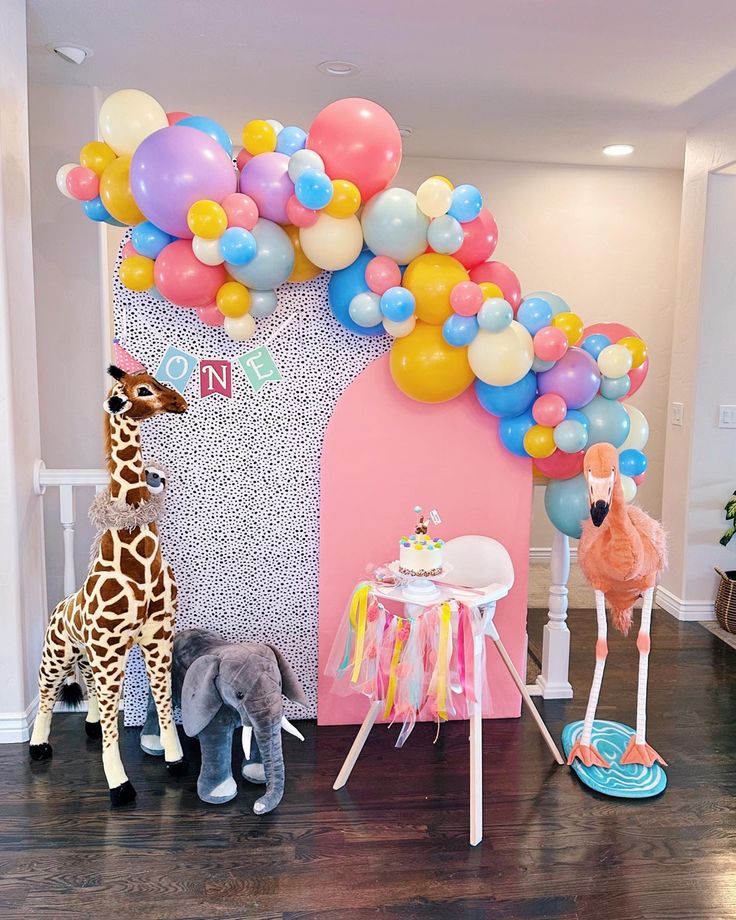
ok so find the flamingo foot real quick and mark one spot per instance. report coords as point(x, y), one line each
point(588, 754)
point(642, 754)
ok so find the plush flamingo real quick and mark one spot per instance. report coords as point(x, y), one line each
point(622, 551)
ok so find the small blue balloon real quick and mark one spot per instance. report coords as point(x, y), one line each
point(155, 293)
point(344, 285)
point(595, 343)
point(466, 203)
point(365, 309)
point(459, 331)
point(570, 436)
point(262, 303)
point(510, 400)
point(567, 504)
point(290, 139)
point(238, 246)
point(615, 387)
point(534, 313)
point(313, 189)
point(148, 240)
point(495, 314)
point(609, 421)
point(397, 304)
point(632, 462)
point(554, 300)
point(208, 126)
point(575, 415)
point(96, 210)
point(512, 429)
point(445, 234)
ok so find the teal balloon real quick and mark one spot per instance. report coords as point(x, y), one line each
point(570, 436)
point(575, 415)
point(608, 421)
point(445, 234)
point(567, 504)
point(539, 366)
point(495, 314)
point(554, 300)
point(365, 309)
point(615, 387)
point(262, 303)
point(394, 226)
point(274, 260)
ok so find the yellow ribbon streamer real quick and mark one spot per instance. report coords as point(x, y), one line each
point(358, 612)
point(442, 661)
point(392, 677)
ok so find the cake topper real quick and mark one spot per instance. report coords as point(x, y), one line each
point(422, 525)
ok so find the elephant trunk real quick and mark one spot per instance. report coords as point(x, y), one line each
point(268, 737)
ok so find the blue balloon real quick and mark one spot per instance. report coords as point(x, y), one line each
point(208, 126)
point(459, 331)
point(365, 309)
point(554, 300)
point(595, 343)
point(274, 260)
point(96, 210)
point(466, 203)
point(575, 415)
point(394, 226)
point(510, 400)
point(570, 436)
point(313, 189)
point(511, 431)
point(290, 139)
point(615, 387)
point(632, 462)
point(534, 313)
point(495, 314)
point(238, 246)
point(539, 366)
point(567, 504)
point(262, 303)
point(609, 421)
point(148, 240)
point(344, 285)
point(445, 234)
point(397, 304)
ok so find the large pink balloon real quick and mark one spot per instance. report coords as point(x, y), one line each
point(481, 238)
point(500, 274)
point(174, 167)
point(266, 179)
point(183, 279)
point(560, 465)
point(357, 140)
point(616, 331)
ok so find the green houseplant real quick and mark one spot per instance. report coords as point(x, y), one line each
point(726, 597)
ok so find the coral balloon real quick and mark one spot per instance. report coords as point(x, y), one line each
point(97, 156)
point(357, 140)
point(174, 118)
point(333, 242)
point(210, 315)
point(243, 158)
point(259, 137)
point(538, 442)
point(382, 273)
point(207, 219)
point(560, 465)
point(550, 344)
point(480, 240)
point(502, 358)
point(233, 299)
point(116, 193)
point(345, 199)
point(82, 183)
point(127, 118)
point(466, 298)
point(136, 273)
point(303, 269)
point(241, 210)
point(426, 368)
point(571, 325)
point(431, 278)
point(266, 180)
point(394, 226)
point(300, 216)
point(549, 410)
point(500, 274)
point(183, 279)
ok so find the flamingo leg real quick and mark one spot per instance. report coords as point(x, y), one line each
point(638, 751)
point(584, 749)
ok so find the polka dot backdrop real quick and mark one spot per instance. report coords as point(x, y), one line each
point(241, 527)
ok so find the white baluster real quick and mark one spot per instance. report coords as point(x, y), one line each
point(68, 520)
point(554, 680)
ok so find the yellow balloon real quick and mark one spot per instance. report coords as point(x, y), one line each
point(116, 194)
point(426, 368)
point(333, 242)
point(539, 442)
point(207, 219)
point(431, 278)
point(571, 325)
point(136, 273)
point(96, 156)
point(502, 358)
point(637, 347)
point(434, 196)
point(259, 137)
point(303, 269)
point(490, 290)
point(345, 199)
point(233, 299)
point(129, 116)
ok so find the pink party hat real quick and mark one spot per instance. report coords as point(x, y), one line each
point(124, 360)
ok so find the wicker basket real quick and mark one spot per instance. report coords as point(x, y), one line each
point(726, 600)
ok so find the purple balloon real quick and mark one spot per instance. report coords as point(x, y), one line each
point(174, 167)
point(575, 377)
point(266, 179)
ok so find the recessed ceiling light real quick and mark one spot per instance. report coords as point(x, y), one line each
point(72, 54)
point(406, 130)
point(338, 68)
point(618, 150)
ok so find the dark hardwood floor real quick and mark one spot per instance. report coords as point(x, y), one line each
point(394, 842)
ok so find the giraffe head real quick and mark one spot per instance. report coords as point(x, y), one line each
point(137, 397)
point(600, 466)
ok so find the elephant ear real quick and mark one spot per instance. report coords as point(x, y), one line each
point(290, 686)
point(200, 698)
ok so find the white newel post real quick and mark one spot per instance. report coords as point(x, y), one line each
point(554, 680)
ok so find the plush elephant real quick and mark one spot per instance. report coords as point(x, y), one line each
point(221, 686)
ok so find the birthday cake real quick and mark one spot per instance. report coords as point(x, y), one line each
point(420, 554)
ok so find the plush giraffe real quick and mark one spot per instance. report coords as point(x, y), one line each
point(129, 595)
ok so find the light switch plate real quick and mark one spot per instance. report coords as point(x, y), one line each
point(678, 413)
point(727, 416)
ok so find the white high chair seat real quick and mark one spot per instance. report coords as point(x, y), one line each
point(478, 561)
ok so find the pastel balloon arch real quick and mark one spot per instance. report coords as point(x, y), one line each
point(218, 237)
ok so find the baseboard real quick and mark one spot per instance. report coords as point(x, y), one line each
point(680, 609)
point(15, 727)
point(544, 553)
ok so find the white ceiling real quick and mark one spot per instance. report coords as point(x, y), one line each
point(536, 80)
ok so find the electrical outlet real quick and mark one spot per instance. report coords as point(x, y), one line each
point(678, 413)
point(727, 416)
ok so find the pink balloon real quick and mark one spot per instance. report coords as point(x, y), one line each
point(82, 183)
point(266, 179)
point(560, 465)
point(550, 344)
point(616, 331)
point(183, 279)
point(466, 298)
point(243, 158)
point(481, 239)
point(173, 117)
point(210, 315)
point(241, 210)
point(500, 274)
point(382, 273)
point(357, 140)
point(549, 410)
point(128, 250)
point(640, 478)
point(298, 215)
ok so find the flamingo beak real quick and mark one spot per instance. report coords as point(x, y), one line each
point(600, 489)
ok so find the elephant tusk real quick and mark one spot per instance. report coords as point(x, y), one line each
point(288, 727)
point(247, 737)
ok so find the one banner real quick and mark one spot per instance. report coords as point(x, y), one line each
point(176, 368)
point(215, 376)
point(259, 367)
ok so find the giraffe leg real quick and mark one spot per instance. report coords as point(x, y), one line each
point(109, 682)
point(92, 725)
point(57, 661)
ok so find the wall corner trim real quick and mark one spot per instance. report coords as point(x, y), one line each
point(681, 609)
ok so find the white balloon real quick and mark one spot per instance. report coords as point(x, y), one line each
point(304, 159)
point(127, 117)
point(207, 251)
point(614, 361)
point(399, 330)
point(61, 175)
point(241, 328)
point(638, 430)
point(276, 125)
point(629, 487)
point(501, 358)
point(332, 243)
point(434, 197)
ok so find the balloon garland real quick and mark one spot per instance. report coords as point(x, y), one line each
point(218, 238)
